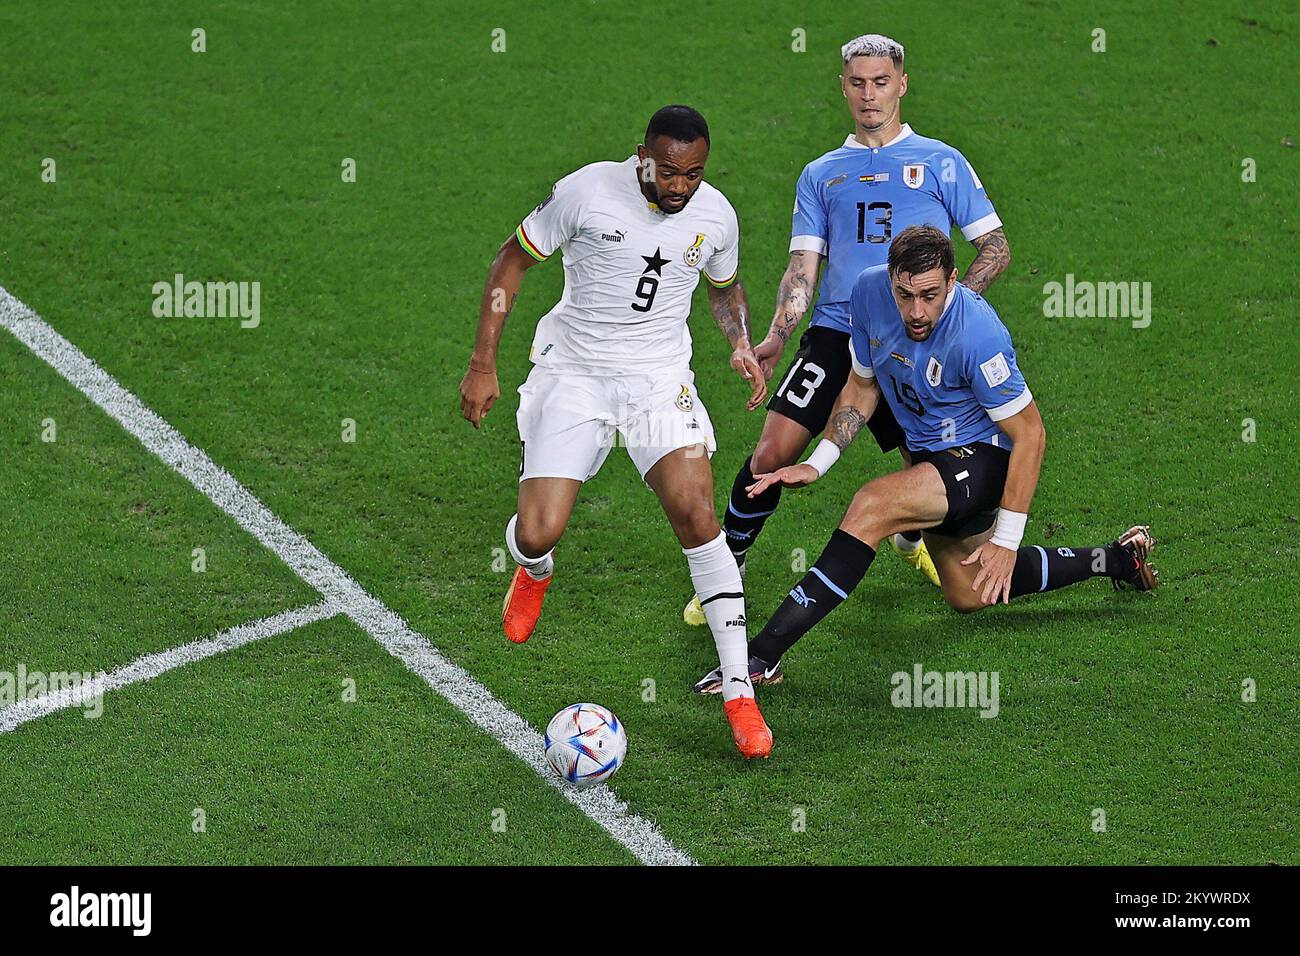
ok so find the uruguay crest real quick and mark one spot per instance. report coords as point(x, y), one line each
point(933, 372)
point(913, 175)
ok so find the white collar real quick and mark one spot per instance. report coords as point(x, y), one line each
point(633, 163)
point(852, 143)
point(952, 297)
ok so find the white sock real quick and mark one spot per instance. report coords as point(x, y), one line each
point(902, 544)
point(717, 582)
point(538, 568)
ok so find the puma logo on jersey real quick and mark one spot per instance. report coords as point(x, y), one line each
point(616, 237)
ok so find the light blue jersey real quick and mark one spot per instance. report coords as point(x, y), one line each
point(852, 201)
point(953, 388)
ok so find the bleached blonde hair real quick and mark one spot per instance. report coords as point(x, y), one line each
point(874, 44)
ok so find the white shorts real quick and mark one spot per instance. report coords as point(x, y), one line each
point(568, 421)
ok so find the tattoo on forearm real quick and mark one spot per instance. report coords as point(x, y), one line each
point(795, 294)
point(731, 311)
point(845, 425)
point(992, 257)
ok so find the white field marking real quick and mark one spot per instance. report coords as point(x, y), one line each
point(601, 804)
point(151, 665)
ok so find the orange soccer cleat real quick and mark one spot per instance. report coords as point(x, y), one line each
point(753, 738)
point(523, 605)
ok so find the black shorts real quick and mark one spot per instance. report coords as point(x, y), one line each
point(974, 476)
point(813, 381)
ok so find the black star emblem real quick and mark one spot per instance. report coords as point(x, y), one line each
point(654, 262)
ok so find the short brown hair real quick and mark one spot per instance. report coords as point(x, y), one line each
point(919, 249)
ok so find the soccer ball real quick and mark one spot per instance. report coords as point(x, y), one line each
point(585, 744)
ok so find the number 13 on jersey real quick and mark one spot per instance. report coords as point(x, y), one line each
point(875, 214)
point(816, 375)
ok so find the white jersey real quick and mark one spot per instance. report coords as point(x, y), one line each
point(629, 269)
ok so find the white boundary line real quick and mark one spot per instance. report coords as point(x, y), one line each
point(151, 665)
point(601, 804)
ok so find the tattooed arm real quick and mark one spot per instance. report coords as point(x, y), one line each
point(730, 308)
point(793, 298)
point(992, 256)
point(479, 389)
point(856, 404)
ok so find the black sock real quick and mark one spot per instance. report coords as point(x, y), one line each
point(912, 536)
point(1046, 569)
point(828, 582)
point(746, 516)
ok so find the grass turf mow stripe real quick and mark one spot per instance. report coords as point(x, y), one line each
point(342, 594)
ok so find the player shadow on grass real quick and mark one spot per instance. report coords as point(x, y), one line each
point(846, 669)
point(888, 626)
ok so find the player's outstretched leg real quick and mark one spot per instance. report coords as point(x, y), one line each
point(1126, 561)
point(840, 568)
point(684, 484)
point(531, 534)
point(914, 497)
point(782, 442)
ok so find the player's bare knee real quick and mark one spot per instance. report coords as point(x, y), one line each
point(866, 518)
point(696, 524)
point(769, 456)
point(963, 601)
point(537, 536)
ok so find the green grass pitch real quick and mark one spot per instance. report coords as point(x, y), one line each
point(1122, 165)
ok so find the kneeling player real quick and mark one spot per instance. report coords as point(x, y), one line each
point(945, 364)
